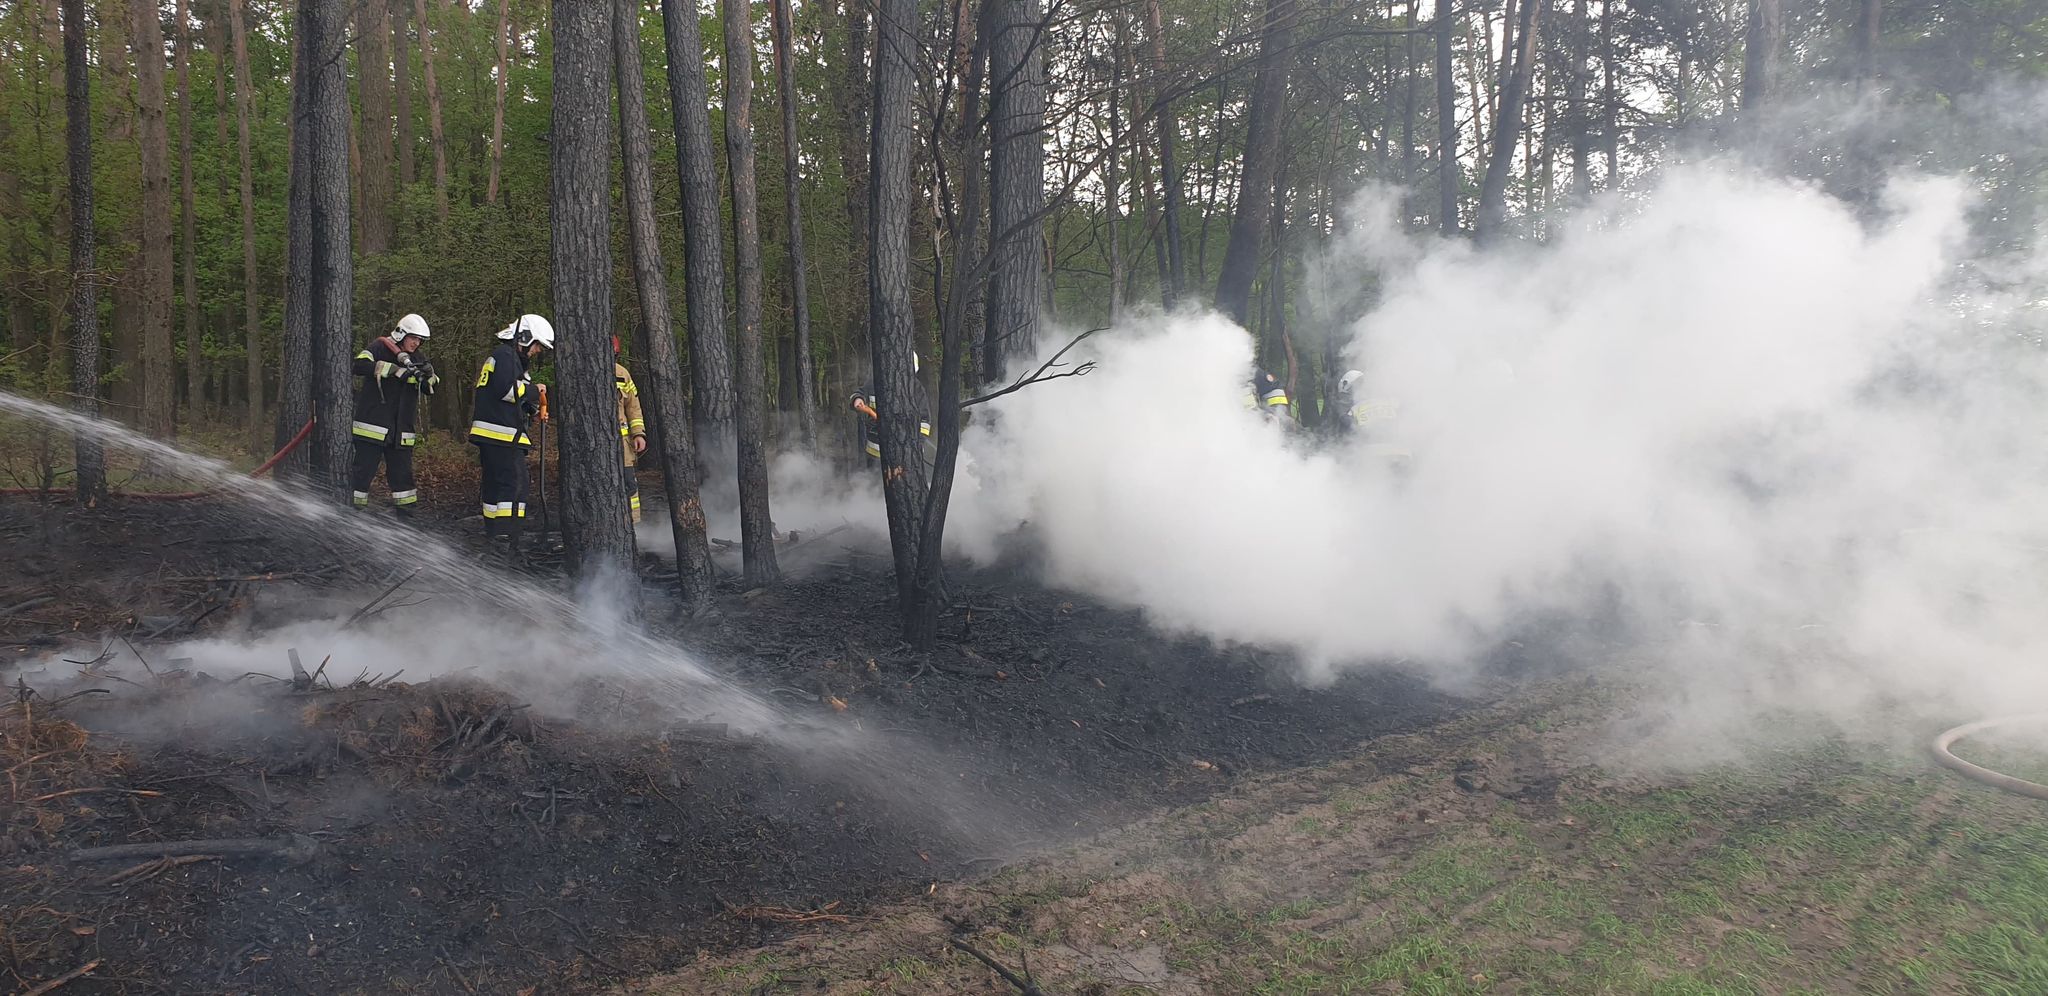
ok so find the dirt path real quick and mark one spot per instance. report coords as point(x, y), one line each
point(1486, 855)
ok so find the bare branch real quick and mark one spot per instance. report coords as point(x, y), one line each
point(1045, 372)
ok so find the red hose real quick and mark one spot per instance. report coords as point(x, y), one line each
point(265, 468)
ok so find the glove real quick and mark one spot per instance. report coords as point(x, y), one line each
point(529, 407)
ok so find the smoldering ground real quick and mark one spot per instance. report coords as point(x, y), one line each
point(1790, 447)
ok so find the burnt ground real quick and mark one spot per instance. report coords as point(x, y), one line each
point(447, 837)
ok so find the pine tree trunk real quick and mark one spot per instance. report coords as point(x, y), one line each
point(195, 346)
point(1017, 284)
point(1449, 174)
point(792, 206)
point(1241, 255)
point(295, 352)
point(85, 311)
point(1582, 115)
point(890, 321)
point(1169, 164)
point(252, 311)
point(401, 91)
point(1508, 122)
point(757, 530)
point(1869, 36)
point(1113, 175)
point(662, 387)
point(1408, 112)
point(498, 104)
point(153, 273)
point(711, 399)
point(373, 60)
point(579, 185)
point(1610, 102)
point(333, 273)
point(1765, 36)
point(435, 135)
point(851, 94)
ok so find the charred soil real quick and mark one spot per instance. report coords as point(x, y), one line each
point(451, 836)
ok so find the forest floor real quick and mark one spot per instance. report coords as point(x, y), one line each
point(1117, 810)
point(453, 841)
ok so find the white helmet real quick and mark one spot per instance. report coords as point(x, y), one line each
point(413, 325)
point(529, 328)
point(1349, 380)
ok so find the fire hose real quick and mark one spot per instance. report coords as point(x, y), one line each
point(1947, 759)
point(264, 468)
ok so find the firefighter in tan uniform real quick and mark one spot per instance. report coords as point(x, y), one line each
point(632, 427)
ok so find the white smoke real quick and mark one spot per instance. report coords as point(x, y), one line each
point(1799, 452)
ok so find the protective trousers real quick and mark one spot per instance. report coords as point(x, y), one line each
point(633, 493)
point(503, 488)
point(397, 461)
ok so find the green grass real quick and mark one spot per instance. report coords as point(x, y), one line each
point(1828, 871)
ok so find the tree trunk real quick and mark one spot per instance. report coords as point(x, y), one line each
point(1016, 183)
point(1241, 255)
point(1113, 174)
point(498, 104)
point(851, 95)
point(891, 329)
point(373, 60)
point(153, 274)
point(656, 342)
point(711, 400)
point(333, 273)
point(1508, 122)
point(1169, 165)
point(594, 520)
point(1449, 174)
point(1408, 111)
point(85, 311)
point(757, 529)
point(295, 363)
point(195, 347)
point(921, 610)
point(792, 187)
point(401, 91)
point(1610, 102)
point(1581, 114)
point(435, 134)
point(252, 312)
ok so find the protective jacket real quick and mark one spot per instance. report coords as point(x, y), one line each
point(870, 434)
point(631, 421)
point(388, 400)
point(505, 399)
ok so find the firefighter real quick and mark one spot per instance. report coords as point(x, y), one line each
point(394, 373)
point(1266, 394)
point(870, 417)
point(632, 427)
point(1373, 420)
point(506, 402)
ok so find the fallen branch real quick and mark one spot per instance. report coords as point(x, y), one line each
point(145, 793)
point(1024, 985)
point(151, 869)
point(779, 914)
point(72, 976)
point(297, 847)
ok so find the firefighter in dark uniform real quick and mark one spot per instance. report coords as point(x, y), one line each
point(869, 417)
point(393, 374)
point(506, 401)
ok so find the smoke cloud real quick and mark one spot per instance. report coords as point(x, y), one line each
point(1796, 449)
